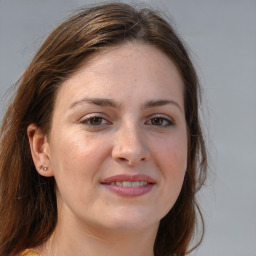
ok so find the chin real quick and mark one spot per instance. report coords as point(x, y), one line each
point(131, 220)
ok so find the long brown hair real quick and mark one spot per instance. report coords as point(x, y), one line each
point(28, 211)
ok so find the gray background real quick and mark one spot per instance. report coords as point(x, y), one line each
point(221, 36)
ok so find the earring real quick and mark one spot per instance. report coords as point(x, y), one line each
point(43, 168)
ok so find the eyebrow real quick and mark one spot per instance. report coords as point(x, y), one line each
point(97, 101)
point(158, 103)
point(104, 102)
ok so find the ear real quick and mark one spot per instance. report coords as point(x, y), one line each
point(40, 150)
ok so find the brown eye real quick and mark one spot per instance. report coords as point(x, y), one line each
point(157, 121)
point(95, 120)
point(160, 121)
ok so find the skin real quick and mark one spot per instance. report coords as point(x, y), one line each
point(130, 137)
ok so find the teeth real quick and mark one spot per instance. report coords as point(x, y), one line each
point(129, 183)
point(135, 184)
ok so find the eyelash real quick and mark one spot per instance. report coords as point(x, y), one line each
point(162, 121)
point(89, 119)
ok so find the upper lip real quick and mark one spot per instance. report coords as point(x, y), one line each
point(126, 177)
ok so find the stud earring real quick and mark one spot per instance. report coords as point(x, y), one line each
point(43, 168)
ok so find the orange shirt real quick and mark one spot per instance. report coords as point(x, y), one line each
point(30, 253)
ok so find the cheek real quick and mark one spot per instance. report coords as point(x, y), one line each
point(174, 166)
point(172, 153)
point(76, 156)
point(172, 161)
point(76, 161)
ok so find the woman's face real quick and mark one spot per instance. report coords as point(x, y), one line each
point(118, 143)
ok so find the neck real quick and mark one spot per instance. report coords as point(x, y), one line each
point(95, 241)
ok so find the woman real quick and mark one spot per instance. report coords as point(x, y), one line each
point(101, 147)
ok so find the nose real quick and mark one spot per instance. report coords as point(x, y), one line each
point(130, 147)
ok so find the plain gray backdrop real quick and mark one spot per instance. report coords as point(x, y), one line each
point(221, 36)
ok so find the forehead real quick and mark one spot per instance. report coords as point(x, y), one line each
point(126, 69)
point(126, 55)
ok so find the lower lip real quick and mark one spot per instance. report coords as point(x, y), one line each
point(130, 191)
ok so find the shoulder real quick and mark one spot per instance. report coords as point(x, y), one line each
point(29, 253)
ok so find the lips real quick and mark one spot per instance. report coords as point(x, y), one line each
point(131, 178)
point(129, 185)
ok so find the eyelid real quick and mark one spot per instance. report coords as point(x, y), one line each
point(166, 118)
point(85, 120)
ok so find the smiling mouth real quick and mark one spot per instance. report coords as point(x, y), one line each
point(129, 185)
point(133, 184)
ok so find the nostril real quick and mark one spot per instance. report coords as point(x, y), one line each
point(127, 160)
point(130, 154)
